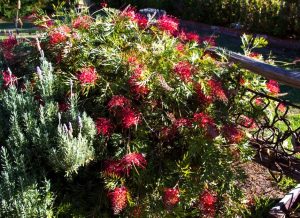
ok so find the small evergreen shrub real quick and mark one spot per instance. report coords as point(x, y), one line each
point(132, 118)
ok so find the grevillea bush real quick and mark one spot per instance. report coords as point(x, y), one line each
point(132, 118)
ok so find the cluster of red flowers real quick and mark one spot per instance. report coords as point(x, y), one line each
point(129, 116)
point(168, 24)
point(207, 204)
point(233, 134)
point(7, 47)
point(123, 166)
point(170, 197)
point(208, 123)
point(187, 36)
point(137, 89)
point(104, 126)
point(82, 22)
point(217, 90)
point(118, 199)
point(118, 101)
point(140, 19)
point(273, 87)
point(205, 100)
point(59, 35)
point(248, 122)
point(184, 70)
point(88, 76)
point(8, 79)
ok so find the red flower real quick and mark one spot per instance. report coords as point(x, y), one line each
point(182, 122)
point(167, 133)
point(281, 107)
point(132, 61)
point(118, 199)
point(63, 106)
point(248, 122)
point(168, 24)
point(184, 70)
point(233, 134)
point(87, 76)
point(207, 203)
point(203, 99)
point(82, 22)
point(130, 118)
point(217, 90)
point(8, 79)
point(118, 101)
point(137, 89)
point(193, 37)
point(180, 47)
point(113, 167)
point(254, 55)
point(259, 101)
point(7, 47)
point(104, 126)
point(59, 35)
point(103, 4)
point(141, 20)
point(203, 119)
point(9, 43)
point(129, 13)
point(171, 197)
point(273, 87)
point(133, 159)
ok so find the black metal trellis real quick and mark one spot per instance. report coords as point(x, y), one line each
point(269, 139)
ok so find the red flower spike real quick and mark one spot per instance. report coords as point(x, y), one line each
point(130, 118)
point(192, 37)
point(170, 197)
point(133, 159)
point(59, 35)
point(281, 107)
point(118, 199)
point(203, 119)
point(182, 122)
point(8, 79)
point(180, 47)
point(168, 24)
point(104, 126)
point(217, 90)
point(273, 87)
point(141, 20)
point(207, 203)
point(9, 43)
point(233, 134)
point(82, 22)
point(113, 167)
point(118, 101)
point(184, 70)
point(248, 122)
point(203, 99)
point(87, 76)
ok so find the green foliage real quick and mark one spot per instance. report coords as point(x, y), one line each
point(176, 128)
point(274, 17)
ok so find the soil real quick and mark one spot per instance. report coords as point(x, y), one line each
point(259, 182)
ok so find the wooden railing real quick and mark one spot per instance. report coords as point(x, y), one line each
point(286, 77)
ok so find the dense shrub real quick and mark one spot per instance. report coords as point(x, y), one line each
point(274, 17)
point(133, 118)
